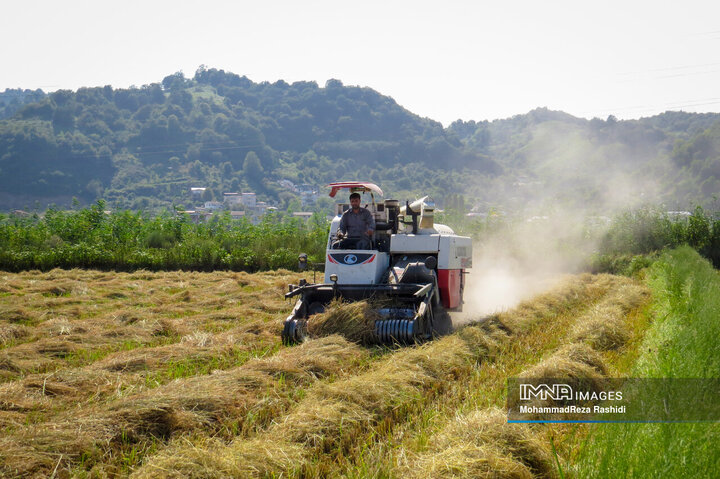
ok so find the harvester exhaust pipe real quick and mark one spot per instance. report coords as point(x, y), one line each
point(413, 214)
point(392, 207)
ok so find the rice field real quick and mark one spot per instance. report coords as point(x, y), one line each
point(179, 374)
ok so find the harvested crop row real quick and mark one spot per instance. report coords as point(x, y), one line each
point(67, 345)
point(125, 372)
point(604, 327)
point(571, 292)
point(112, 313)
point(334, 418)
point(227, 402)
point(68, 296)
point(480, 443)
point(353, 321)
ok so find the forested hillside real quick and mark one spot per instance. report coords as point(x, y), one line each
point(552, 158)
point(144, 147)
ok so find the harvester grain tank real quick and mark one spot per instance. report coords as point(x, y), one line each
point(412, 267)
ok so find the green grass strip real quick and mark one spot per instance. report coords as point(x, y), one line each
point(682, 342)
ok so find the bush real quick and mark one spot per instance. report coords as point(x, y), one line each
point(635, 234)
point(128, 241)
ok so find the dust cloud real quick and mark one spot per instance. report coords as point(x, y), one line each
point(552, 214)
point(517, 263)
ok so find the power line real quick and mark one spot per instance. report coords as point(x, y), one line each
point(706, 65)
point(665, 106)
point(688, 74)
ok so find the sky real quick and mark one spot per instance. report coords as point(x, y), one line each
point(470, 60)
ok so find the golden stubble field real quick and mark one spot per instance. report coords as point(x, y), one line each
point(180, 374)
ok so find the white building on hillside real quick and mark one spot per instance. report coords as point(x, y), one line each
point(232, 200)
point(197, 193)
point(213, 205)
point(249, 200)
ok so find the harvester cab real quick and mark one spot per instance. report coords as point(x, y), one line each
point(411, 267)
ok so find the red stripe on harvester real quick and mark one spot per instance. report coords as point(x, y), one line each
point(369, 260)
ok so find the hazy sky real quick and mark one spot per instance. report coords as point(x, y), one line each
point(444, 60)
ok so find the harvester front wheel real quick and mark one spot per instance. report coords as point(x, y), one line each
point(294, 331)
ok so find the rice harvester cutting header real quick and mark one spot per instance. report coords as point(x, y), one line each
point(411, 266)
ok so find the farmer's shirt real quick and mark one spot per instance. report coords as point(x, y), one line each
point(356, 224)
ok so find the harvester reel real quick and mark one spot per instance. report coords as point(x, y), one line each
point(403, 331)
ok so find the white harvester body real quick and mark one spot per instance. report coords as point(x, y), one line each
point(409, 260)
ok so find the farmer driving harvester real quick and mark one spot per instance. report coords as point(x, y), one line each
point(356, 226)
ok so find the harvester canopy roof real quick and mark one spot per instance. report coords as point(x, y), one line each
point(354, 186)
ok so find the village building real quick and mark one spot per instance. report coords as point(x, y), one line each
point(249, 200)
point(213, 205)
point(232, 200)
point(197, 193)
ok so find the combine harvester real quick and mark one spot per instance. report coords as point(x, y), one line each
point(413, 268)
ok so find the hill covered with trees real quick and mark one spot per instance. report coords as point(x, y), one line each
point(145, 147)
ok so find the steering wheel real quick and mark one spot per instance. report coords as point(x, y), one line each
point(363, 243)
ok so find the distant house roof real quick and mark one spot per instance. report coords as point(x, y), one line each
point(196, 212)
point(197, 189)
point(679, 213)
point(237, 213)
point(303, 214)
point(354, 186)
